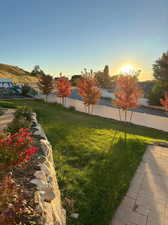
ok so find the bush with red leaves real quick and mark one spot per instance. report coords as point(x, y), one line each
point(16, 149)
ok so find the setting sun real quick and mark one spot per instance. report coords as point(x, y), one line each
point(127, 69)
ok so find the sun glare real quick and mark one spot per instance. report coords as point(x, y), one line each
point(128, 69)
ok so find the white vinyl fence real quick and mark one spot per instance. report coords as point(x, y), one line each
point(142, 119)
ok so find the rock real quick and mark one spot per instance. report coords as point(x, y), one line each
point(75, 215)
point(47, 195)
point(45, 145)
point(49, 179)
point(40, 184)
point(40, 175)
point(45, 169)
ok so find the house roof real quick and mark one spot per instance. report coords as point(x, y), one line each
point(5, 80)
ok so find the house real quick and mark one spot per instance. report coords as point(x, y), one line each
point(6, 83)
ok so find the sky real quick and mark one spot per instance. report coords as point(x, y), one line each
point(69, 35)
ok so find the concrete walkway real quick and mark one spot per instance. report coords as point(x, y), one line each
point(146, 202)
point(6, 118)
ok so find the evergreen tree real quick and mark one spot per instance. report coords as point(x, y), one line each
point(37, 71)
point(103, 78)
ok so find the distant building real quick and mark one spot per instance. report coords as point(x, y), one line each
point(6, 83)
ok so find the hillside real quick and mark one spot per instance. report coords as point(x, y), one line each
point(17, 74)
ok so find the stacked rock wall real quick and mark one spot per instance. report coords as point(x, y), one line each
point(47, 195)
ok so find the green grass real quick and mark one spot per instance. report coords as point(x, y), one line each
point(93, 167)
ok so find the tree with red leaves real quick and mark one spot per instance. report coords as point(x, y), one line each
point(164, 102)
point(45, 84)
point(127, 94)
point(63, 86)
point(88, 90)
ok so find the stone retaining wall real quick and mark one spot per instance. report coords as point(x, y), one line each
point(47, 195)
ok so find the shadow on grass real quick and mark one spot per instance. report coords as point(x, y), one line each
point(100, 186)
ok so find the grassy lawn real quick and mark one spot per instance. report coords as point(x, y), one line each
point(93, 168)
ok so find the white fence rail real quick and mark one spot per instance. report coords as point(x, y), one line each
point(142, 119)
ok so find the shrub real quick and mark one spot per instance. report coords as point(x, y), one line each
point(72, 108)
point(156, 94)
point(25, 90)
point(13, 206)
point(22, 119)
point(28, 91)
point(25, 112)
point(15, 150)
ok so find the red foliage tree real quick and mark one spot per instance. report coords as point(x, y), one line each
point(164, 102)
point(63, 85)
point(88, 90)
point(127, 92)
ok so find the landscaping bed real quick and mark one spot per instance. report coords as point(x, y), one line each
point(18, 204)
point(94, 167)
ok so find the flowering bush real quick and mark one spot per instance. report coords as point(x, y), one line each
point(16, 149)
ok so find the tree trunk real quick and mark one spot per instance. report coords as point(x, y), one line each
point(125, 126)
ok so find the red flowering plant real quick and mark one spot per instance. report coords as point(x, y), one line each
point(88, 89)
point(63, 86)
point(164, 102)
point(16, 149)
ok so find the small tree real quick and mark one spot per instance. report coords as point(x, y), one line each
point(45, 84)
point(63, 85)
point(127, 94)
point(164, 102)
point(88, 90)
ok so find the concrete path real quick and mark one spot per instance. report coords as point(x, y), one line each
point(146, 202)
point(6, 118)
